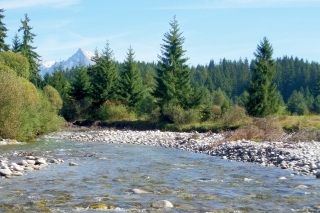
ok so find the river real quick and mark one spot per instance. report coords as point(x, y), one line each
point(107, 173)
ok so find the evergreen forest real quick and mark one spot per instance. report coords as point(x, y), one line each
point(161, 94)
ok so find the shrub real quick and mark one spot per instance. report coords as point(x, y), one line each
point(178, 115)
point(234, 116)
point(111, 111)
point(16, 62)
point(11, 104)
point(53, 96)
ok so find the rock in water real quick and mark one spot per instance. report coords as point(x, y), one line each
point(162, 204)
point(139, 191)
point(318, 174)
point(5, 172)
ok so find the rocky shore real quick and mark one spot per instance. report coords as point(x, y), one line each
point(300, 157)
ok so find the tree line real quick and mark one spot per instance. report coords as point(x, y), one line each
point(169, 90)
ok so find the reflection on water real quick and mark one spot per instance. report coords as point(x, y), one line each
point(107, 173)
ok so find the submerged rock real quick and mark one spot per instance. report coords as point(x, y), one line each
point(139, 191)
point(162, 204)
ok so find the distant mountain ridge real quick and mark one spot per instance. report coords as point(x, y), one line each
point(81, 56)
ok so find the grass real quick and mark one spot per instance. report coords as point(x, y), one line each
point(295, 122)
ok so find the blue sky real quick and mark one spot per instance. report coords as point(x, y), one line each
point(213, 29)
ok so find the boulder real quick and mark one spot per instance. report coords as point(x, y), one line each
point(5, 172)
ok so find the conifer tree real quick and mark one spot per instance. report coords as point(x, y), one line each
point(131, 88)
point(263, 97)
point(173, 81)
point(3, 34)
point(104, 77)
point(16, 44)
point(29, 51)
point(81, 87)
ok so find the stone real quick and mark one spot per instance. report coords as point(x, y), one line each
point(31, 162)
point(318, 174)
point(41, 161)
point(5, 172)
point(139, 191)
point(16, 173)
point(73, 164)
point(16, 167)
point(162, 204)
point(30, 158)
point(23, 163)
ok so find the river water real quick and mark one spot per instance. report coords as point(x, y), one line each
point(107, 173)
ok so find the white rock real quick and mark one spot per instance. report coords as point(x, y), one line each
point(139, 191)
point(162, 204)
point(5, 172)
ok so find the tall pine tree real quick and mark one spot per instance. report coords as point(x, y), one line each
point(173, 81)
point(131, 88)
point(29, 51)
point(263, 97)
point(16, 44)
point(3, 34)
point(104, 77)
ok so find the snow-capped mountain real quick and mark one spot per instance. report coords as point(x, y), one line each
point(81, 56)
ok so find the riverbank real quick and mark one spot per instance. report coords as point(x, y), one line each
point(299, 157)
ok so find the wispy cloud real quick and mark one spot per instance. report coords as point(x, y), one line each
point(15, 4)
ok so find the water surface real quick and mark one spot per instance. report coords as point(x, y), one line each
point(107, 173)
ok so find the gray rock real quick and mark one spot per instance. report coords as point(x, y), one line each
point(16, 167)
point(162, 204)
point(318, 174)
point(22, 163)
point(41, 161)
point(73, 164)
point(5, 172)
point(31, 162)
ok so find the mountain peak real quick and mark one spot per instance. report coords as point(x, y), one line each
point(81, 56)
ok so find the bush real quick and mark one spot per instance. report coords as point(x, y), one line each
point(177, 115)
point(234, 116)
point(16, 62)
point(11, 104)
point(262, 129)
point(53, 96)
point(111, 111)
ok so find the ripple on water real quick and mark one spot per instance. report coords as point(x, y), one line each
point(192, 182)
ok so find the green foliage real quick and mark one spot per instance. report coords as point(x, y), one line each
point(131, 89)
point(17, 62)
point(28, 51)
point(173, 81)
point(176, 114)
point(53, 97)
point(263, 98)
point(24, 111)
point(104, 77)
point(5, 68)
point(11, 106)
point(80, 87)
point(112, 111)
point(3, 34)
point(297, 103)
point(234, 116)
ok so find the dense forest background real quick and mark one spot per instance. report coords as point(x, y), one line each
point(167, 91)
